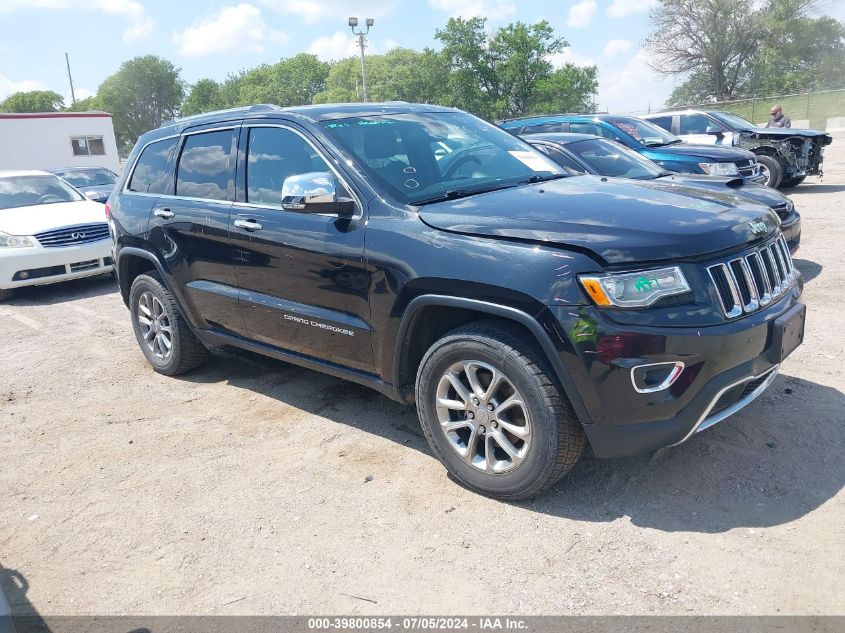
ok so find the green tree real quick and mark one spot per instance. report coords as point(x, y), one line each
point(291, 81)
point(733, 48)
point(567, 89)
point(32, 101)
point(799, 53)
point(399, 75)
point(716, 38)
point(509, 72)
point(143, 93)
point(84, 105)
point(204, 96)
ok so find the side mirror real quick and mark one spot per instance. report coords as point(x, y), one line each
point(714, 129)
point(314, 192)
point(92, 195)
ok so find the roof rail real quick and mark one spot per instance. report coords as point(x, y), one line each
point(259, 107)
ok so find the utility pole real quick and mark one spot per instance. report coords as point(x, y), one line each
point(70, 79)
point(353, 22)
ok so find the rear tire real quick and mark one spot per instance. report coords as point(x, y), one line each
point(160, 329)
point(6, 294)
point(792, 182)
point(493, 412)
point(770, 167)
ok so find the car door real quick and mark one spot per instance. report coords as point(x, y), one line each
point(189, 228)
point(693, 128)
point(303, 284)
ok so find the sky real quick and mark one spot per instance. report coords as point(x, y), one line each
point(214, 38)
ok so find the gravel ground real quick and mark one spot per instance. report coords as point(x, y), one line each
point(255, 487)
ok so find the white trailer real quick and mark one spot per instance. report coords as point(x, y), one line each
point(51, 140)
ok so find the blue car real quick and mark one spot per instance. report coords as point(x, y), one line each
point(652, 141)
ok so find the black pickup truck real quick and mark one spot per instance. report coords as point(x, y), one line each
point(439, 260)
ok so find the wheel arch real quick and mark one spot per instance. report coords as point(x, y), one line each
point(133, 261)
point(430, 316)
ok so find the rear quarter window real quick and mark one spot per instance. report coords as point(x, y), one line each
point(151, 170)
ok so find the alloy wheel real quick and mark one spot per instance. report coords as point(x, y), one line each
point(155, 325)
point(483, 416)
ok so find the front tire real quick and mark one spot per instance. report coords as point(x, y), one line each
point(6, 294)
point(160, 329)
point(771, 169)
point(493, 412)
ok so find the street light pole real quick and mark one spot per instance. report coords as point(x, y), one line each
point(353, 22)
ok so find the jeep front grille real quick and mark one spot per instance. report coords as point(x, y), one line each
point(753, 280)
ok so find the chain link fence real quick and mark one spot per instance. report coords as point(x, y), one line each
point(806, 109)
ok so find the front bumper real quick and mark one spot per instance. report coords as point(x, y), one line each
point(725, 368)
point(38, 265)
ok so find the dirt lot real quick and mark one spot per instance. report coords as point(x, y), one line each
point(244, 488)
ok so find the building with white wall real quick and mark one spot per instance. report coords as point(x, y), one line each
point(50, 140)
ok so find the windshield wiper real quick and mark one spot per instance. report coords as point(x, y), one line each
point(454, 194)
point(536, 178)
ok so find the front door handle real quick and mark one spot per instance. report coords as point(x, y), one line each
point(248, 225)
point(163, 213)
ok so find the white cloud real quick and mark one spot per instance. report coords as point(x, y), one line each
point(315, 10)
point(8, 86)
point(338, 46)
point(568, 56)
point(632, 87)
point(616, 47)
point(390, 44)
point(581, 13)
point(492, 9)
point(79, 92)
point(140, 24)
point(235, 27)
point(623, 8)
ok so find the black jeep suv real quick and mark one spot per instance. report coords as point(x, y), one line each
point(438, 259)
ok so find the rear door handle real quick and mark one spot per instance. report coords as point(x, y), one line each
point(163, 213)
point(248, 225)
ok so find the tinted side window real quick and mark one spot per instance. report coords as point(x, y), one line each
point(663, 121)
point(205, 166)
point(274, 154)
point(594, 128)
point(562, 159)
point(151, 175)
point(693, 124)
point(542, 127)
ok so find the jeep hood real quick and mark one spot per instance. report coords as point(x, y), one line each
point(616, 220)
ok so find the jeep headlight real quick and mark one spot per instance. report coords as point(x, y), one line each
point(719, 169)
point(15, 241)
point(634, 290)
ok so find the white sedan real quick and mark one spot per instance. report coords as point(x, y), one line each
point(49, 232)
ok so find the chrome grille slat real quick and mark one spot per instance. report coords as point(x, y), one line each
point(746, 283)
point(73, 235)
point(761, 278)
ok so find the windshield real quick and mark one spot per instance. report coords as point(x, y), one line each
point(23, 191)
point(611, 159)
point(88, 177)
point(733, 120)
point(427, 156)
point(646, 133)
